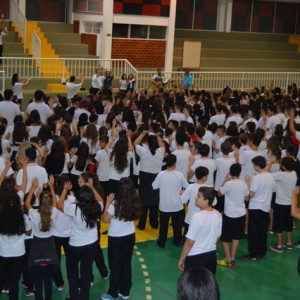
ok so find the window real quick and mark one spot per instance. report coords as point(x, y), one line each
point(157, 32)
point(139, 31)
point(120, 30)
point(95, 6)
point(93, 27)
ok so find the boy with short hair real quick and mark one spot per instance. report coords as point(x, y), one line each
point(286, 181)
point(190, 193)
point(236, 192)
point(199, 249)
point(261, 189)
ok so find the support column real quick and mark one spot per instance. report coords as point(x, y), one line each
point(170, 37)
point(106, 43)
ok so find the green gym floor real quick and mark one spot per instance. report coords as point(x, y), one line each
point(155, 273)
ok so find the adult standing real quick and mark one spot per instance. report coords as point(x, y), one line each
point(72, 87)
point(18, 86)
point(187, 82)
point(151, 154)
point(9, 109)
point(97, 81)
point(38, 104)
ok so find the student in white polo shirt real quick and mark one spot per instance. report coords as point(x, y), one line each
point(13, 228)
point(236, 192)
point(84, 214)
point(121, 210)
point(199, 249)
point(34, 170)
point(170, 182)
point(261, 189)
point(9, 109)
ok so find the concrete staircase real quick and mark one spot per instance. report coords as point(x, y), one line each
point(13, 45)
point(240, 51)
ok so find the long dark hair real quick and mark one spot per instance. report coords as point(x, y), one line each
point(119, 154)
point(15, 78)
point(82, 156)
point(19, 134)
point(11, 215)
point(96, 183)
point(152, 144)
point(89, 206)
point(127, 203)
point(60, 183)
point(44, 134)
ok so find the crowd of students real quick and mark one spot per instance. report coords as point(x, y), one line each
point(231, 157)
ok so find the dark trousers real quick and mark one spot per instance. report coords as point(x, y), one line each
point(99, 257)
point(207, 260)
point(27, 275)
point(83, 255)
point(153, 216)
point(60, 242)
point(257, 232)
point(120, 250)
point(104, 185)
point(42, 280)
point(10, 272)
point(164, 224)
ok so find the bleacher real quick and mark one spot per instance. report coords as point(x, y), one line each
point(240, 51)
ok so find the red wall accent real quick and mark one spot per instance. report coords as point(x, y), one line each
point(141, 53)
point(91, 41)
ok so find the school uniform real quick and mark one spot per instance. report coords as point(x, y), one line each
point(12, 251)
point(82, 249)
point(204, 229)
point(234, 215)
point(43, 258)
point(121, 235)
point(285, 183)
point(169, 184)
point(61, 235)
point(150, 166)
point(259, 208)
point(208, 163)
point(115, 176)
point(103, 170)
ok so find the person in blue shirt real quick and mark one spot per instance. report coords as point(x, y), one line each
point(187, 82)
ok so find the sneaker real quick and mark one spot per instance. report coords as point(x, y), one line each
point(276, 248)
point(92, 283)
point(5, 290)
point(29, 293)
point(121, 297)
point(225, 263)
point(24, 285)
point(297, 244)
point(107, 297)
point(247, 257)
point(60, 288)
point(104, 277)
point(288, 246)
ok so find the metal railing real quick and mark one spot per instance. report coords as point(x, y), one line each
point(59, 68)
point(62, 68)
point(19, 20)
point(216, 81)
point(36, 45)
point(2, 82)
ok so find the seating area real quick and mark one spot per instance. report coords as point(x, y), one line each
point(240, 51)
